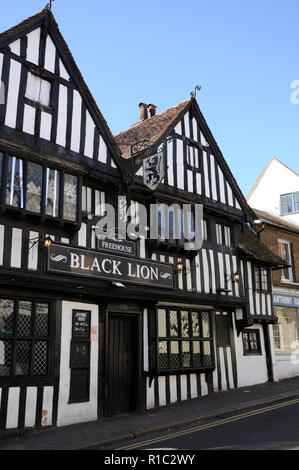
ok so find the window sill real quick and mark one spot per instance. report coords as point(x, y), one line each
point(186, 370)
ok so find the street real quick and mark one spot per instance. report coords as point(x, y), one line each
point(270, 427)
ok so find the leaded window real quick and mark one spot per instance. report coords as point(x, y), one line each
point(34, 187)
point(184, 339)
point(25, 338)
point(52, 192)
point(15, 183)
point(261, 278)
point(70, 197)
point(38, 188)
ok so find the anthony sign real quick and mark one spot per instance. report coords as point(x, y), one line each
point(95, 264)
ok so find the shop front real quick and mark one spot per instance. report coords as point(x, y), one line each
point(286, 333)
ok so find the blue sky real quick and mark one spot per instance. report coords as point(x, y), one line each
point(244, 54)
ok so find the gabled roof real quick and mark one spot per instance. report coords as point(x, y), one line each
point(156, 129)
point(264, 171)
point(254, 249)
point(45, 16)
point(275, 221)
point(152, 128)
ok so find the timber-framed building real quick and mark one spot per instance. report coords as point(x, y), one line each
point(85, 332)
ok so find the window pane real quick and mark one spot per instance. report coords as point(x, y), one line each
point(38, 89)
point(185, 323)
point(253, 341)
point(163, 356)
point(257, 278)
point(264, 279)
point(70, 197)
point(41, 320)
point(287, 329)
point(5, 358)
point(205, 325)
point(219, 234)
point(175, 362)
point(52, 192)
point(227, 237)
point(207, 353)
point(174, 325)
point(196, 354)
point(24, 319)
point(15, 183)
point(195, 324)
point(162, 323)
point(34, 187)
point(6, 317)
point(40, 358)
point(287, 203)
point(186, 353)
point(22, 366)
point(245, 341)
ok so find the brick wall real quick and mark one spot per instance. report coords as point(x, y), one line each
point(269, 237)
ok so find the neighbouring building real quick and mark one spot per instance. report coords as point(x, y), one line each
point(94, 327)
point(275, 200)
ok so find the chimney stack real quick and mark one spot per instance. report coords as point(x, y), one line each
point(152, 110)
point(143, 111)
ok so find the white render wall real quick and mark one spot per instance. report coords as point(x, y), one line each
point(251, 370)
point(276, 180)
point(71, 413)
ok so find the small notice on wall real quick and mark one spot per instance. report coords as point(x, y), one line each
point(94, 333)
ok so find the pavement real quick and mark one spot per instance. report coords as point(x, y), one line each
point(111, 431)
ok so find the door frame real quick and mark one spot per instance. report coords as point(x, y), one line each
point(138, 316)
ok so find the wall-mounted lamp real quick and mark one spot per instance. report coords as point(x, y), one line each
point(179, 267)
point(234, 277)
point(48, 242)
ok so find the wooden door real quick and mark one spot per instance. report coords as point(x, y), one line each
point(122, 373)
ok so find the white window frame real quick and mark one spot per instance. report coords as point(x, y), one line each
point(290, 270)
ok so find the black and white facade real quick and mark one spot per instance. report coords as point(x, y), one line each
point(74, 344)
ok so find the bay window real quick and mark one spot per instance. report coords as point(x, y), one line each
point(38, 189)
point(184, 339)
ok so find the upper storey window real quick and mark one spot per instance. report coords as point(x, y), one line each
point(289, 203)
point(193, 161)
point(38, 90)
point(39, 189)
point(223, 235)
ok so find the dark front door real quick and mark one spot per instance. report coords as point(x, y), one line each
point(122, 363)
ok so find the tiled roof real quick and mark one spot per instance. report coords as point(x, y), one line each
point(252, 246)
point(276, 221)
point(152, 128)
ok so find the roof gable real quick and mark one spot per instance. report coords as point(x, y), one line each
point(80, 125)
point(186, 122)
